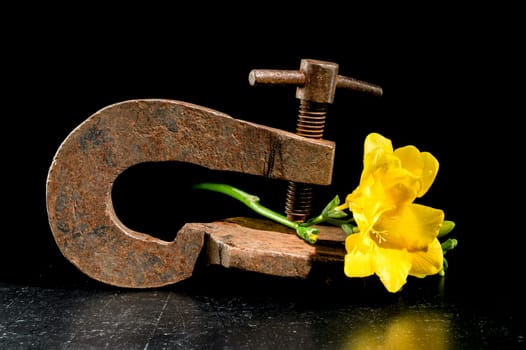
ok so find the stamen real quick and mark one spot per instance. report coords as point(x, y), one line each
point(379, 236)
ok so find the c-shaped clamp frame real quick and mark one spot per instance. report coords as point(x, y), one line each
point(91, 236)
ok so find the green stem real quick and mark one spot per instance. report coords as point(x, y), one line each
point(249, 200)
point(307, 233)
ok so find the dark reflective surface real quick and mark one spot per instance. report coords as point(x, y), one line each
point(226, 309)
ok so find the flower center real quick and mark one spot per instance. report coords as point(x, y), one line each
point(379, 236)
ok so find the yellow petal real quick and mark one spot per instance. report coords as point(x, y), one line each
point(378, 155)
point(378, 162)
point(374, 141)
point(428, 262)
point(358, 260)
point(392, 266)
point(410, 159)
point(412, 226)
point(400, 186)
point(422, 165)
point(366, 213)
point(429, 172)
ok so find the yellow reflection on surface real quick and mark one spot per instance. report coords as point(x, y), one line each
point(414, 329)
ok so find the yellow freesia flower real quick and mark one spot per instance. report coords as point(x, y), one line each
point(396, 237)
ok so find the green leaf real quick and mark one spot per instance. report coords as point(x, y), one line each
point(447, 227)
point(336, 214)
point(330, 206)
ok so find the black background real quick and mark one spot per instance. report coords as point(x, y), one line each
point(447, 75)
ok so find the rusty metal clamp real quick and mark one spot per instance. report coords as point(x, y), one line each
point(79, 184)
point(88, 162)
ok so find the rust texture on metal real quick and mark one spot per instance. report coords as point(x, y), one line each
point(316, 80)
point(316, 83)
point(81, 176)
point(262, 246)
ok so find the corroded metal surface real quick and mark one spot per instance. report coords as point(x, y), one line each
point(265, 247)
point(316, 80)
point(80, 180)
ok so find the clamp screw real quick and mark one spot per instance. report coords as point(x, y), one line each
point(316, 83)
